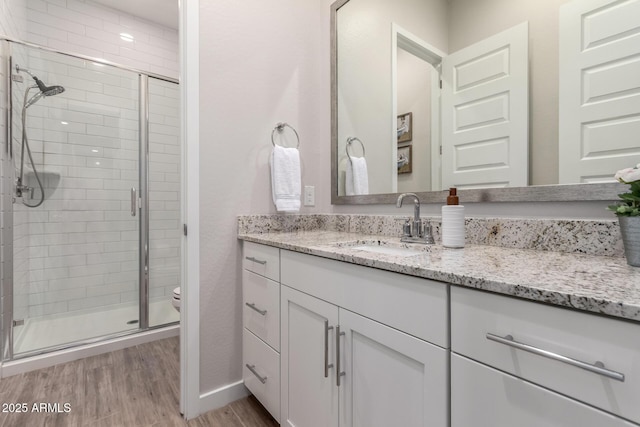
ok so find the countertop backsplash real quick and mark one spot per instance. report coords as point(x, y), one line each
point(599, 238)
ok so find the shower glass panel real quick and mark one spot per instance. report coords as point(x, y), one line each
point(76, 255)
point(164, 200)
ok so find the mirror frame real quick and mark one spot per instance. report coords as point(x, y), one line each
point(534, 193)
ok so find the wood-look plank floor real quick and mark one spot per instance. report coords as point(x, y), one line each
point(136, 386)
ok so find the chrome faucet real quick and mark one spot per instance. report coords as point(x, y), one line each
point(415, 231)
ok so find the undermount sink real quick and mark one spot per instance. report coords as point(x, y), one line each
point(388, 250)
point(384, 247)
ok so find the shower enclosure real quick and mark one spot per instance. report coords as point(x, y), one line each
point(91, 201)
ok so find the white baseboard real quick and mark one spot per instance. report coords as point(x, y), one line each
point(218, 398)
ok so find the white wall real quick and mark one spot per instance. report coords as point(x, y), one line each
point(260, 63)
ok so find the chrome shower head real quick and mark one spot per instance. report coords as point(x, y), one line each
point(44, 89)
point(48, 90)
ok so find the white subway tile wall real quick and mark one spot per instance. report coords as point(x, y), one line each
point(13, 18)
point(86, 28)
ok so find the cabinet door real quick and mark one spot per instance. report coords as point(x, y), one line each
point(309, 396)
point(484, 397)
point(391, 378)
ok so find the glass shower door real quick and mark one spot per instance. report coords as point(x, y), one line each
point(77, 222)
point(165, 230)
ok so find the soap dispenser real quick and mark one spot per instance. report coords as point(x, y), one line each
point(452, 222)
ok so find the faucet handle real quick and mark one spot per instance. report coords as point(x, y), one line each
point(406, 229)
point(427, 233)
point(416, 228)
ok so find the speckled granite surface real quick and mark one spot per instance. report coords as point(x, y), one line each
point(600, 238)
point(599, 284)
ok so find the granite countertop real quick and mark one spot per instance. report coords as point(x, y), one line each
point(598, 284)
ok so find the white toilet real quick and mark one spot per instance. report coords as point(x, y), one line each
point(175, 300)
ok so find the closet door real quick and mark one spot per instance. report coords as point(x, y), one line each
point(390, 378)
point(309, 396)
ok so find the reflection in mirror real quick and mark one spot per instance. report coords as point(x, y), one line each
point(593, 110)
point(415, 89)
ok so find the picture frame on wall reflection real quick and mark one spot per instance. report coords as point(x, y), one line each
point(405, 159)
point(405, 127)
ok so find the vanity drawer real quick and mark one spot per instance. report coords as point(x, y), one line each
point(261, 307)
point(263, 379)
point(485, 397)
point(261, 259)
point(580, 336)
point(410, 304)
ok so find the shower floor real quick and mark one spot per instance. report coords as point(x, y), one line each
point(43, 332)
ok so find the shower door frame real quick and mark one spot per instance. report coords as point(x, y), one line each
point(142, 208)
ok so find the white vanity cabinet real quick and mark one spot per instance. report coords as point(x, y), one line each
point(261, 324)
point(522, 363)
point(334, 344)
point(347, 357)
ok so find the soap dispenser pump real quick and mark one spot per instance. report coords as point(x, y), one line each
point(453, 221)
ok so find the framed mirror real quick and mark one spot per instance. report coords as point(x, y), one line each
point(493, 95)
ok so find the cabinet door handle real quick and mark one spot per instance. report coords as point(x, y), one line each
point(326, 349)
point(250, 258)
point(253, 306)
point(597, 367)
point(252, 368)
point(338, 372)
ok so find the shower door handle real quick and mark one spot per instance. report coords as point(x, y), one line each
point(134, 201)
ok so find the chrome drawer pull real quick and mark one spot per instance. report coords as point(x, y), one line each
point(327, 365)
point(252, 368)
point(250, 258)
point(338, 372)
point(597, 368)
point(253, 306)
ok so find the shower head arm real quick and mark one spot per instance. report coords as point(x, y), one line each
point(46, 90)
point(39, 82)
point(24, 70)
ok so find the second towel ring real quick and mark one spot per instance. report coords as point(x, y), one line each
point(280, 128)
point(349, 141)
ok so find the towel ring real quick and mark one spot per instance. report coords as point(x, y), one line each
point(280, 128)
point(349, 141)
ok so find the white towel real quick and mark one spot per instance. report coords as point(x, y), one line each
point(357, 179)
point(285, 178)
